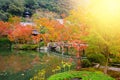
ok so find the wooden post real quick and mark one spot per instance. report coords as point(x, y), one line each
point(78, 68)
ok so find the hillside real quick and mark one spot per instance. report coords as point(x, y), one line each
point(10, 8)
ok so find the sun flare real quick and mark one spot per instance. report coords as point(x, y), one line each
point(107, 7)
point(100, 12)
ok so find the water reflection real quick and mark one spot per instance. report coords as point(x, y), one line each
point(16, 61)
point(15, 64)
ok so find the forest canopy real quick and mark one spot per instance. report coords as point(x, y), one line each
point(9, 8)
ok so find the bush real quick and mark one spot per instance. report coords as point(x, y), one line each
point(85, 75)
point(39, 76)
point(96, 58)
point(116, 60)
point(5, 43)
point(86, 63)
point(26, 46)
point(41, 44)
point(4, 40)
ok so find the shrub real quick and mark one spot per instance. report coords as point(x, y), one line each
point(116, 60)
point(29, 46)
point(25, 46)
point(41, 44)
point(5, 43)
point(96, 58)
point(39, 76)
point(85, 75)
point(86, 63)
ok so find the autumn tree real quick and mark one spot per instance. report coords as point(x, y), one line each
point(21, 34)
point(4, 29)
point(51, 29)
point(14, 20)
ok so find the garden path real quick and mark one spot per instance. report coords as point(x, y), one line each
point(112, 68)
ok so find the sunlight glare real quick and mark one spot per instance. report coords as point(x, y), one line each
point(101, 12)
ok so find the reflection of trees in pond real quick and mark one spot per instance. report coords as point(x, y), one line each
point(15, 63)
point(18, 61)
point(28, 63)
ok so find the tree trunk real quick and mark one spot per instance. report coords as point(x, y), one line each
point(107, 59)
point(78, 67)
point(62, 48)
point(106, 66)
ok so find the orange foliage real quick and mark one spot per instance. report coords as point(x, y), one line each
point(79, 45)
point(21, 34)
point(4, 28)
point(49, 29)
point(36, 38)
point(55, 30)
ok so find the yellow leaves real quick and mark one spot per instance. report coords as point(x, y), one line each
point(101, 13)
point(40, 75)
point(14, 20)
point(99, 18)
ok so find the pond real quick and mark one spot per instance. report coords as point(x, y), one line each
point(23, 65)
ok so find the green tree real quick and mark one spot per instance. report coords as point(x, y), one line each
point(4, 16)
point(104, 41)
point(15, 10)
point(103, 26)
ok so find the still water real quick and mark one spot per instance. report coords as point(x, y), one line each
point(23, 65)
